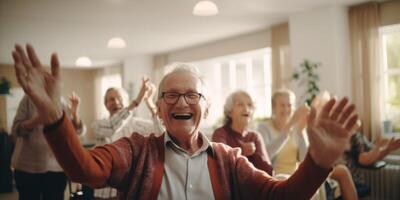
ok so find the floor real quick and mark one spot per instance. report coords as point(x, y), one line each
point(14, 195)
point(9, 196)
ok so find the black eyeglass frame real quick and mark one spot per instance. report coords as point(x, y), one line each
point(184, 97)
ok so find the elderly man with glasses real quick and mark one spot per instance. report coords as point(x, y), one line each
point(182, 163)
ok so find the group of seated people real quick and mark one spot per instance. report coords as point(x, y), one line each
point(287, 157)
point(285, 139)
point(281, 138)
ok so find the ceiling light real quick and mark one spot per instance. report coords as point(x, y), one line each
point(116, 43)
point(205, 8)
point(83, 62)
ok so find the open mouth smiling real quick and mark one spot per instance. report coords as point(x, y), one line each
point(116, 109)
point(182, 116)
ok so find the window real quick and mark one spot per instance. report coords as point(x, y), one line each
point(390, 39)
point(250, 71)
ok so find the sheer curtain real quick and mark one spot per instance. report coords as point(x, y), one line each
point(367, 81)
point(280, 57)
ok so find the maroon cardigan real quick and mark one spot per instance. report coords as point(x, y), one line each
point(234, 139)
point(135, 166)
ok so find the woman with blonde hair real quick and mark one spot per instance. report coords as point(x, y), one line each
point(286, 139)
point(284, 134)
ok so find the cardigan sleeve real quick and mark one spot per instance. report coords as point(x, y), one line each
point(255, 184)
point(91, 167)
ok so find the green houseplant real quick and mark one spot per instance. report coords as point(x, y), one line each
point(307, 76)
point(4, 86)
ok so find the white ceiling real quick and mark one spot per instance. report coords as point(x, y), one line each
point(76, 28)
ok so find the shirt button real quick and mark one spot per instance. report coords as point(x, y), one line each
point(191, 186)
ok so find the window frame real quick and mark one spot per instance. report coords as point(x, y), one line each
point(386, 74)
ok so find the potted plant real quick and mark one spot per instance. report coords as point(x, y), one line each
point(4, 86)
point(307, 74)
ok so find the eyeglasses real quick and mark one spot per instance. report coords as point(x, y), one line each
point(191, 98)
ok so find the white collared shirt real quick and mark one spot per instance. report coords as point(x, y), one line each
point(186, 177)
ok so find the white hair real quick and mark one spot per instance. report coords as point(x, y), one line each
point(228, 107)
point(122, 92)
point(182, 68)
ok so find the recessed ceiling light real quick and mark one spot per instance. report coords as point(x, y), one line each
point(116, 43)
point(83, 62)
point(205, 8)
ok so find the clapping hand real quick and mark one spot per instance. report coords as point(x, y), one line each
point(320, 100)
point(74, 102)
point(151, 91)
point(148, 97)
point(143, 90)
point(248, 148)
point(300, 117)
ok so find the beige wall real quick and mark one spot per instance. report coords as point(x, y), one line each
point(78, 80)
point(321, 35)
point(83, 83)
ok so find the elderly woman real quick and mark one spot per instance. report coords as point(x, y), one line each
point(286, 140)
point(283, 134)
point(238, 111)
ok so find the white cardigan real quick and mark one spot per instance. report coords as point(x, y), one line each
point(274, 141)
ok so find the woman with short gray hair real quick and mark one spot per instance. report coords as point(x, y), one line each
point(238, 111)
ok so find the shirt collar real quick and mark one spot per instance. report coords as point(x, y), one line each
point(206, 146)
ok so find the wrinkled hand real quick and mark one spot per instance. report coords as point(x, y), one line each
point(393, 145)
point(144, 88)
point(379, 142)
point(320, 100)
point(43, 88)
point(74, 101)
point(330, 132)
point(248, 148)
point(149, 96)
point(300, 116)
point(151, 91)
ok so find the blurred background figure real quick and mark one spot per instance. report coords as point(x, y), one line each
point(364, 154)
point(284, 134)
point(286, 139)
point(37, 172)
point(122, 123)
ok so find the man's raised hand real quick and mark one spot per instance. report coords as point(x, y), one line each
point(42, 87)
